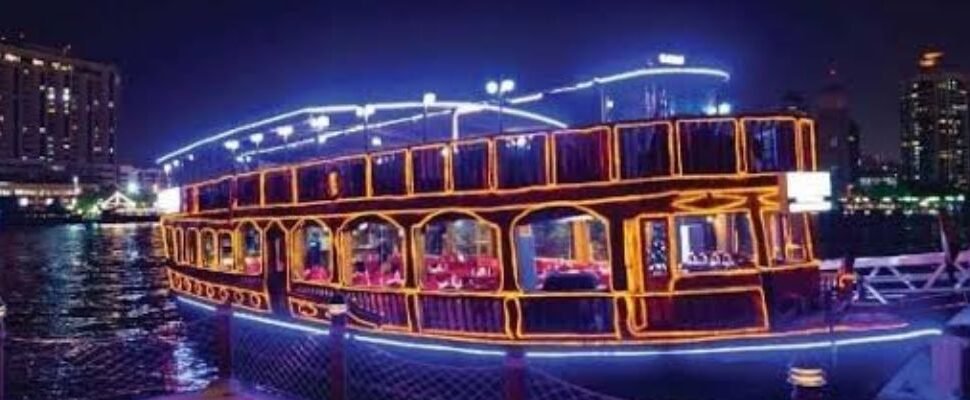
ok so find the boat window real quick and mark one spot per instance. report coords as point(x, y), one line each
point(388, 174)
point(209, 256)
point(374, 254)
point(788, 236)
point(708, 147)
point(655, 251)
point(252, 249)
point(582, 156)
point(312, 181)
point(459, 254)
point(644, 150)
point(347, 178)
point(562, 251)
point(470, 166)
point(521, 161)
point(808, 145)
point(279, 188)
point(429, 169)
point(226, 259)
point(247, 190)
point(314, 254)
point(771, 145)
point(214, 196)
point(715, 242)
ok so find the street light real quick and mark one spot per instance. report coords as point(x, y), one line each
point(319, 122)
point(256, 139)
point(499, 89)
point(285, 132)
point(429, 99)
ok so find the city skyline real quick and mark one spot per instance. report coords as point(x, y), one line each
point(186, 83)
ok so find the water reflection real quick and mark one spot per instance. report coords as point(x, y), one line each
point(89, 314)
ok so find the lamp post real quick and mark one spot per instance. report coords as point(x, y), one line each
point(498, 90)
point(256, 139)
point(232, 145)
point(284, 132)
point(365, 112)
point(428, 99)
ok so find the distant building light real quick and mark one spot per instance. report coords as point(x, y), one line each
point(23, 202)
point(671, 59)
point(376, 141)
point(132, 187)
point(724, 108)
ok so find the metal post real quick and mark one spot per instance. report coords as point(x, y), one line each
point(3, 337)
point(224, 340)
point(338, 362)
point(807, 383)
point(514, 385)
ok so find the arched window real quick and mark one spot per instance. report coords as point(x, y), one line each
point(226, 260)
point(252, 249)
point(458, 252)
point(562, 249)
point(374, 253)
point(209, 255)
point(314, 254)
point(192, 247)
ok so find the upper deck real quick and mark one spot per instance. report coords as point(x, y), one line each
point(602, 160)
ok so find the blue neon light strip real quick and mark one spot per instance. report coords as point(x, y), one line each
point(821, 344)
point(258, 318)
point(478, 351)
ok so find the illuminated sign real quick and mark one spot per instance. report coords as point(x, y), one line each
point(671, 59)
point(169, 200)
point(806, 192)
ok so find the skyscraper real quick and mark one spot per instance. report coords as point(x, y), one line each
point(58, 116)
point(934, 127)
point(838, 134)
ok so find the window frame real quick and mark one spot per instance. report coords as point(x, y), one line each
point(298, 252)
point(755, 261)
point(418, 235)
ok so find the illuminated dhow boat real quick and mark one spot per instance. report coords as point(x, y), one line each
point(634, 232)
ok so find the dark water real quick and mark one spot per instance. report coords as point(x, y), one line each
point(89, 316)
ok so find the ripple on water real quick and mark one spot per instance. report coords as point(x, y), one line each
point(89, 314)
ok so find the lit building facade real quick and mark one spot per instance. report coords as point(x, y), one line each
point(934, 127)
point(58, 116)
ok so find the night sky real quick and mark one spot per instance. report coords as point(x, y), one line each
point(191, 68)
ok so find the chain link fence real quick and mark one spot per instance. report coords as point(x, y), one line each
point(285, 363)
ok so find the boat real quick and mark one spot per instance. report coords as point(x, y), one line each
point(656, 231)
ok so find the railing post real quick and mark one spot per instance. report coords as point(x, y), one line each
point(224, 340)
point(808, 382)
point(3, 337)
point(514, 382)
point(338, 362)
